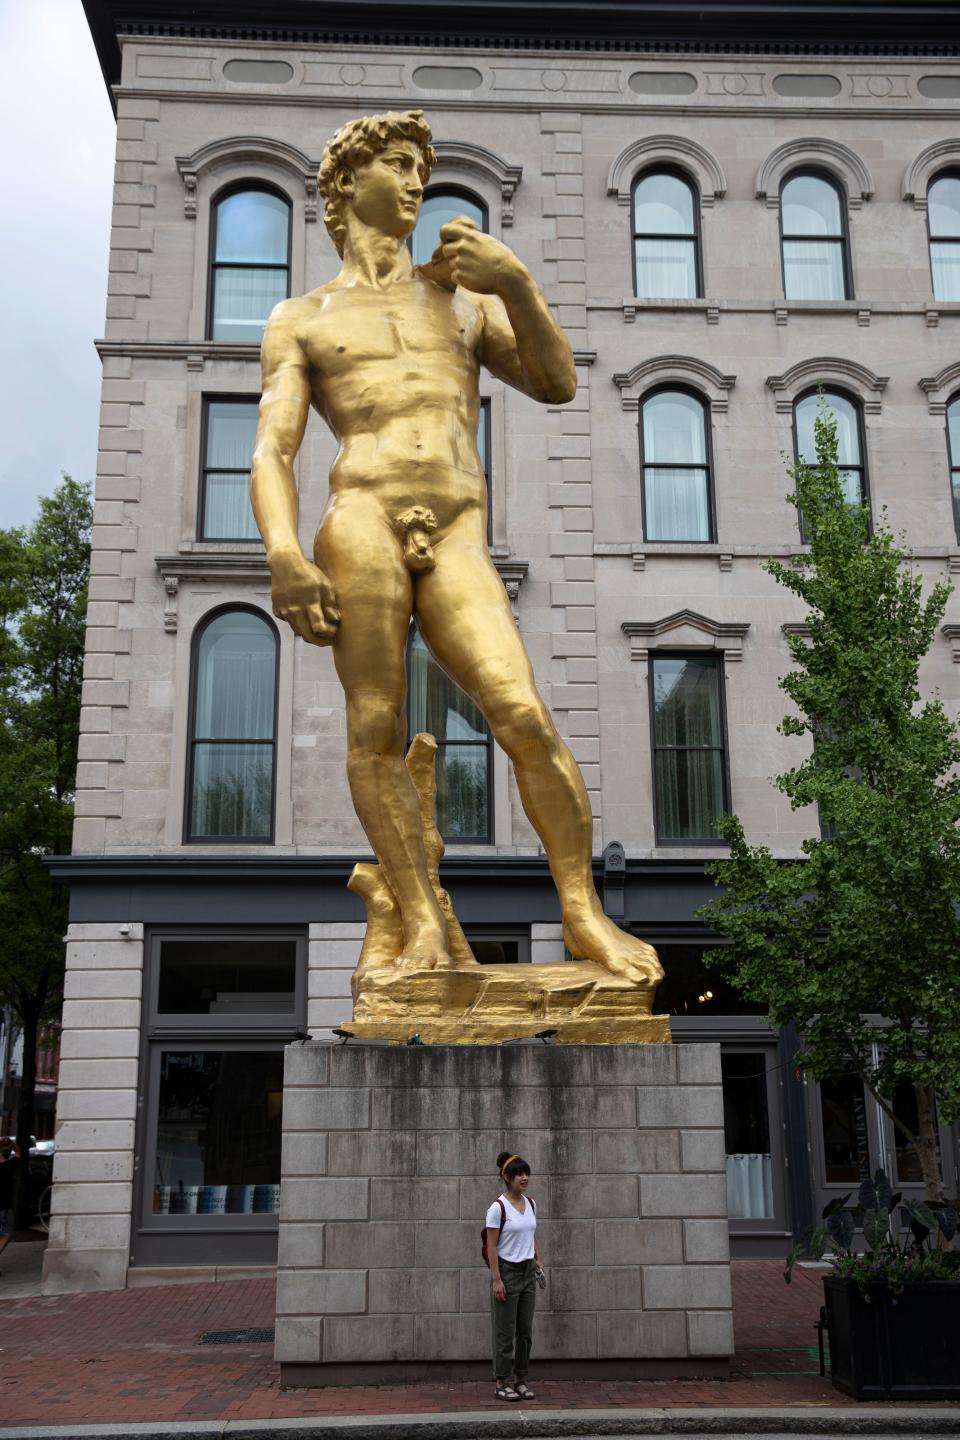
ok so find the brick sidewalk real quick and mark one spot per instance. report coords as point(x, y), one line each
point(131, 1355)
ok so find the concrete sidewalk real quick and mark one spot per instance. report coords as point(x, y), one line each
point(134, 1358)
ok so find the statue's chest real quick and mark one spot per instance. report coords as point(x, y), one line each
point(406, 324)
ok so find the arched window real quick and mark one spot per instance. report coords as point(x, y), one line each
point(953, 453)
point(441, 204)
point(233, 728)
point(441, 708)
point(675, 464)
point(249, 262)
point(850, 447)
point(813, 237)
point(666, 249)
point(943, 219)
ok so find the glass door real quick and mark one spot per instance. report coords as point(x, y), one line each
point(753, 1136)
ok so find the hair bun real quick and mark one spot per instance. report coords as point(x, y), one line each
point(504, 1155)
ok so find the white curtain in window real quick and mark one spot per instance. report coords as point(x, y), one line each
point(666, 269)
point(750, 1187)
point(813, 270)
point(677, 507)
point(243, 299)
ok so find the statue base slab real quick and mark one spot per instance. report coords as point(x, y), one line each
point(488, 1004)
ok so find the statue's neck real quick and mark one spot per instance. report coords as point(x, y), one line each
point(372, 258)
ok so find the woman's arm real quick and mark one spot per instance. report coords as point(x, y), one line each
point(499, 1289)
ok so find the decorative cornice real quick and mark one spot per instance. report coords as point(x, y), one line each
point(241, 150)
point(920, 172)
point(669, 150)
point(839, 159)
point(513, 573)
point(194, 352)
point(828, 368)
point(684, 369)
point(938, 388)
point(951, 633)
point(235, 565)
point(478, 160)
point(688, 630)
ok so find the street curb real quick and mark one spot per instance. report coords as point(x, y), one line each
point(527, 1425)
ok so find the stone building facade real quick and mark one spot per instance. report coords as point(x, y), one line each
point(629, 574)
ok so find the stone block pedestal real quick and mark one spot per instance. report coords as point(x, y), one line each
point(389, 1164)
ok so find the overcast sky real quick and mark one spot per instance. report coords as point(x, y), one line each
point(57, 136)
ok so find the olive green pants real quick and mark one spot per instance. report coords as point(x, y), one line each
point(513, 1319)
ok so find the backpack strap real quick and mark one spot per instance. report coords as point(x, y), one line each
point(503, 1216)
point(534, 1204)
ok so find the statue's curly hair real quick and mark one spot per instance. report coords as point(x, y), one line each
point(357, 142)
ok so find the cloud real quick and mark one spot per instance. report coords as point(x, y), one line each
point(58, 171)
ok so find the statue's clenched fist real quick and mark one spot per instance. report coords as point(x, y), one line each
point(478, 262)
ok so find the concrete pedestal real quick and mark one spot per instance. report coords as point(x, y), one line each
point(389, 1163)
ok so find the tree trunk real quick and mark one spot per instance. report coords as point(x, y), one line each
point(927, 1143)
point(28, 1088)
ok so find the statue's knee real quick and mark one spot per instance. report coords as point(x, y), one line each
point(525, 728)
point(376, 725)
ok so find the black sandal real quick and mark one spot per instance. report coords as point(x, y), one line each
point(505, 1392)
point(524, 1391)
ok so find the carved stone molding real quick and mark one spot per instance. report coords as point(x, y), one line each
point(951, 633)
point(242, 149)
point(830, 370)
point(683, 369)
point(686, 630)
point(461, 155)
point(839, 160)
point(512, 573)
point(939, 388)
point(206, 565)
point(667, 150)
point(917, 177)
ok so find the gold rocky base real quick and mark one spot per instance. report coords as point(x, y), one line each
point(487, 1004)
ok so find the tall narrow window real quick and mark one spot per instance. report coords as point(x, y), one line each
point(666, 259)
point(688, 746)
point(674, 457)
point(846, 414)
point(229, 430)
point(441, 204)
point(441, 708)
point(233, 733)
point(943, 218)
point(250, 262)
point(953, 452)
point(816, 263)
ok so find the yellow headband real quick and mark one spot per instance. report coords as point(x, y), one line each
point(503, 1167)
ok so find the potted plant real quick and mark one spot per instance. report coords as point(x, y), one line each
point(892, 1309)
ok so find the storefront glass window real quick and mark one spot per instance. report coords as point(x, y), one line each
point(218, 1133)
point(746, 1122)
point(908, 1161)
point(235, 977)
point(846, 1151)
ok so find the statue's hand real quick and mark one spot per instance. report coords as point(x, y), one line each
point(304, 597)
point(477, 261)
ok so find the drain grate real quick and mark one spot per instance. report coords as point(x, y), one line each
point(238, 1337)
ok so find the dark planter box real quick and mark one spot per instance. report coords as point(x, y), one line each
point(903, 1347)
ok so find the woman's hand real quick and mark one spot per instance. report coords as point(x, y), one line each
point(499, 1289)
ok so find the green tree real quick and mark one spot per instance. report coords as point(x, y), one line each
point(869, 922)
point(44, 573)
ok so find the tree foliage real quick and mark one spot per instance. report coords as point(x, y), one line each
point(868, 924)
point(43, 599)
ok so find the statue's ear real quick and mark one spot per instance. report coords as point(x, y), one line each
point(344, 180)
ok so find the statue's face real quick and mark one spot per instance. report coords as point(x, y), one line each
point(387, 190)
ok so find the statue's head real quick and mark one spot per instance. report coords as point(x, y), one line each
point(403, 139)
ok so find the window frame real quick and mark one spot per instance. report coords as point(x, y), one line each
point(484, 423)
point(238, 187)
point(678, 172)
point(817, 172)
point(669, 387)
point(192, 742)
point(488, 839)
point(852, 398)
point(519, 935)
point(951, 172)
point(207, 400)
point(953, 464)
point(717, 658)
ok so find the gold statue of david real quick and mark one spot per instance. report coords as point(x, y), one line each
point(389, 355)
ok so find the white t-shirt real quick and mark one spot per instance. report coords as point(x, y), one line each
point(516, 1237)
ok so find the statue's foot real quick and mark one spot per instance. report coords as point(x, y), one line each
point(597, 938)
point(425, 948)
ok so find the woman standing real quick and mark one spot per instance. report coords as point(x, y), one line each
point(515, 1269)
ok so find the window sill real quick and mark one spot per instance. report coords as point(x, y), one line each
point(781, 309)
